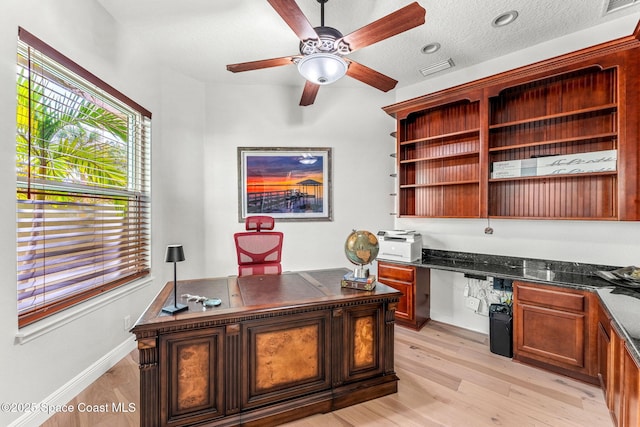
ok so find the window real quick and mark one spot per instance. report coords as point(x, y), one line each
point(82, 183)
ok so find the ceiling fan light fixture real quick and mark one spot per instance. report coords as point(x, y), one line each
point(322, 68)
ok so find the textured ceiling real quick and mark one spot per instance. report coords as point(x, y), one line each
point(199, 37)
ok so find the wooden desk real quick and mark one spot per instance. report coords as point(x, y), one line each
point(278, 348)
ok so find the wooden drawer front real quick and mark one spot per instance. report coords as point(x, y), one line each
point(551, 298)
point(396, 272)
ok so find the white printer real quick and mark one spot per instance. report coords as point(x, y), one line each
point(400, 245)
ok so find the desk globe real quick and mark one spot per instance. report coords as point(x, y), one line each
point(361, 248)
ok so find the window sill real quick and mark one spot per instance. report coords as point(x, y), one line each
point(44, 326)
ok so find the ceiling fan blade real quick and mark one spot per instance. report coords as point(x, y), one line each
point(309, 93)
point(370, 76)
point(257, 65)
point(395, 23)
point(293, 16)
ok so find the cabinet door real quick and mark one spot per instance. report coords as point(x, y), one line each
point(550, 335)
point(630, 391)
point(603, 349)
point(363, 333)
point(616, 369)
point(603, 356)
point(192, 374)
point(284, 357)
point(404, 310)
point(553, 328)
point(415, 284)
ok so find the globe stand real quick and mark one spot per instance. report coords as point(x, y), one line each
point(361, 272)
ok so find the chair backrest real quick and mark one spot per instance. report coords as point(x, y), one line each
point(259, 223)
point(259, 252)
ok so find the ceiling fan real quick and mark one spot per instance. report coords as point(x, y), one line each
point(322, 49)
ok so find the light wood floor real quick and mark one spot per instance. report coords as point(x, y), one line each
point(448, 377)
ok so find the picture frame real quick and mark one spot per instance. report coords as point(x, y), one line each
point(289, 184)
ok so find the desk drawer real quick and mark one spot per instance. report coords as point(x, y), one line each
point(560, 299)
point(396, 272)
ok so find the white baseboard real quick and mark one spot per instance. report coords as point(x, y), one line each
point(71, 389)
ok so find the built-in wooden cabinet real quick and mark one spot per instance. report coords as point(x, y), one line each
point(449, 143)
point(567, 331)
point(413, 309)
point(619, 373)
point(565, 114)
point(438, 160)
point(623, 390)
point(555, 328)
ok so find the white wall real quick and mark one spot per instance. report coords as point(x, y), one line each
point(44, 368)
point(178, 172)
point(350, 121)
point(596, 242)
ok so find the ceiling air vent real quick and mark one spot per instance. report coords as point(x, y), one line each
point(438, 66)
point(613, 5)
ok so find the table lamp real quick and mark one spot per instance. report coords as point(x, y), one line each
point(174, 254)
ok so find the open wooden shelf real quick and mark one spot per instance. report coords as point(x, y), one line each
point(441, 157)
point(566, 197)
point(443, 137)
point(580, 117)
point(432, 200)
point(599, 109)
point(571, 140)
point(437, 184)
point(448, 142)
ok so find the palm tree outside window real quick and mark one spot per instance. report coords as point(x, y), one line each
point(82, 183)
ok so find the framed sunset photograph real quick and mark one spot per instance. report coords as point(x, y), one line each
point(289, 184)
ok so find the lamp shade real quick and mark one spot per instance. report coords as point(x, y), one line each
point(322, 68)
point(175, 253)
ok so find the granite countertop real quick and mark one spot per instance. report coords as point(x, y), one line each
point(550, 272)
point(624, 307)
point(623, 304)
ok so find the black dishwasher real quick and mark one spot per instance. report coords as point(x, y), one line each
point(500, 329)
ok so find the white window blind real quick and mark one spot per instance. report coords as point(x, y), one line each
point(82, 183)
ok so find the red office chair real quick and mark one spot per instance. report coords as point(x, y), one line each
point(259, 252)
